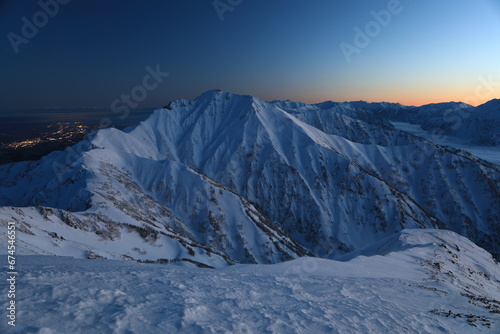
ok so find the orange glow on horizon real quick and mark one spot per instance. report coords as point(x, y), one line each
point(408, 100)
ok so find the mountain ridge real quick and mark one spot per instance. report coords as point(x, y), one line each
point(303, 180)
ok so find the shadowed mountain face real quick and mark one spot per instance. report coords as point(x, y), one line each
point(229, 178)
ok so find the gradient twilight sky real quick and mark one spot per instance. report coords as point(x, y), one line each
point(91, 51)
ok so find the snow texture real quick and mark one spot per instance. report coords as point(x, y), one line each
point(418, 281)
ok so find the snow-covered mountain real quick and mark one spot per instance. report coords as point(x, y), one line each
point(458, 125)
point(229, 178)
point(471, 125)
point(416, 281)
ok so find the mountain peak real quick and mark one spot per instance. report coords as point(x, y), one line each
point(195, 171)
point(493, 105)
point(218, 94)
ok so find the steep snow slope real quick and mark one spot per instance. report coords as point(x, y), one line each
point(117, 205)
point(328, 192)
point(250, 182)
point(350, 121)
point(418, 281)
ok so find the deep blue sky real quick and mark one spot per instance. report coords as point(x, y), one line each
point(92, 51)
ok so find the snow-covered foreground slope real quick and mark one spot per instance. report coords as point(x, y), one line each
point(418, 281)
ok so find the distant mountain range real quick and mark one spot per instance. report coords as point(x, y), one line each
point(474, 125)
point(230, 179)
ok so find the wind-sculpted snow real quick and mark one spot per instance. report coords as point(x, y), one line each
point(229, 178)
point(418, 281)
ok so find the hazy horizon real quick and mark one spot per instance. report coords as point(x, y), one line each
point(145, 108)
